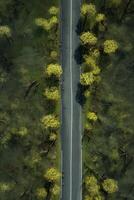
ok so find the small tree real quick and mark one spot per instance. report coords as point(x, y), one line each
point(50, 121)
point(5, 31)
point(6, 187)
point(92, 116)
point(54, 55)
point(56, 190)
point(52, 175)
point(53, 70)
point(41, 193)
point(43, 23)
point(88, 38)
point(110, 46)
point(100, 17)
point(92, 185)
point(22, 132)
point(53, 137)
point(88, 9)
point(53, 21)
point(89, 60)
point(87, 78)
point(53, 10)
point(52, 93)
point(110, 185)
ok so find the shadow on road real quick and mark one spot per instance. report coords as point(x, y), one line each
point(80, 98)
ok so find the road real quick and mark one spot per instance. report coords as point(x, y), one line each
point(71, 110)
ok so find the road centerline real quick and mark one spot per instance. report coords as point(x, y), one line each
point(71, 90)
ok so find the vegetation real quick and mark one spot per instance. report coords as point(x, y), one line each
point(30, 100)
point(107, 80)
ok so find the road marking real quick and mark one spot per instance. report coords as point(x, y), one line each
point(71, 118)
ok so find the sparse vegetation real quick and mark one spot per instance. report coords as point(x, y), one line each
point(30, 100)
point(107, 78)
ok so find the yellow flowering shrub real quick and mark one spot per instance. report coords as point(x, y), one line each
point(53, 10)
point(53, 69)
point(50, 121)
point(110, 185)
point(88, 38)
point(92, 116)
point(87, 78)
point(52, 174)
point(110, 46)
point(52, 93)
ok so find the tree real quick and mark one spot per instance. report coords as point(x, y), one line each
point(22, 131)
point(53, 137)
point(5, 31)
point(88, 38)
point(92, 116)
point(53, 10)
point(56, 190)
point(54, 55)
point(88, 9)
point(87, 78)
point(41, 193)
point(43, 23)
point(89, 60)
point(110, 46)
point(52, 93)
point(92, 185)
point(100, 17)
point(53, 21)
point(110, 185)
point(6, 187)
point(52, 175)
point(50, 121)
point(53, 70)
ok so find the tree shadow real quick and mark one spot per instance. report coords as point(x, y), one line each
point(79, 27)
point(78, 55)
point(80, 98)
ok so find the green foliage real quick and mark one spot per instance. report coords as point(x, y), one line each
point(52, 175)
point(110, 46)
point(56, 190)
point(52, 93)
point(100, 17)
point(110, 185)
point(87, 78)
point(5, 31)
point(92, 116)
point(92, 185)
point(53, 10)
point(41, 193)
point(44, 23)
point(88, 38)
point(53, 70)
point(88, 9)
point(50, 121)
point(6, 187)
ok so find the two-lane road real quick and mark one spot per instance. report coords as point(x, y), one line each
point(71, 111)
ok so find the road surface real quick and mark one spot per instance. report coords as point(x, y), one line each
point(71, 111)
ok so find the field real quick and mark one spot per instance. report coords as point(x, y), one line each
point(108, 137)
point(27, 149)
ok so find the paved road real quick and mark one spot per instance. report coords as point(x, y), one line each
point(71, 111)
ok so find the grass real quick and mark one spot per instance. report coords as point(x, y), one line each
point(28, 53)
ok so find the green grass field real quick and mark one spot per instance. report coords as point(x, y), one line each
point(24, 159)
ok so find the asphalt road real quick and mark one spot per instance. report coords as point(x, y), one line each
point(71, 110)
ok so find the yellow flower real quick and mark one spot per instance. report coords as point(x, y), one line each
point(110, 46)
point(100, 17)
